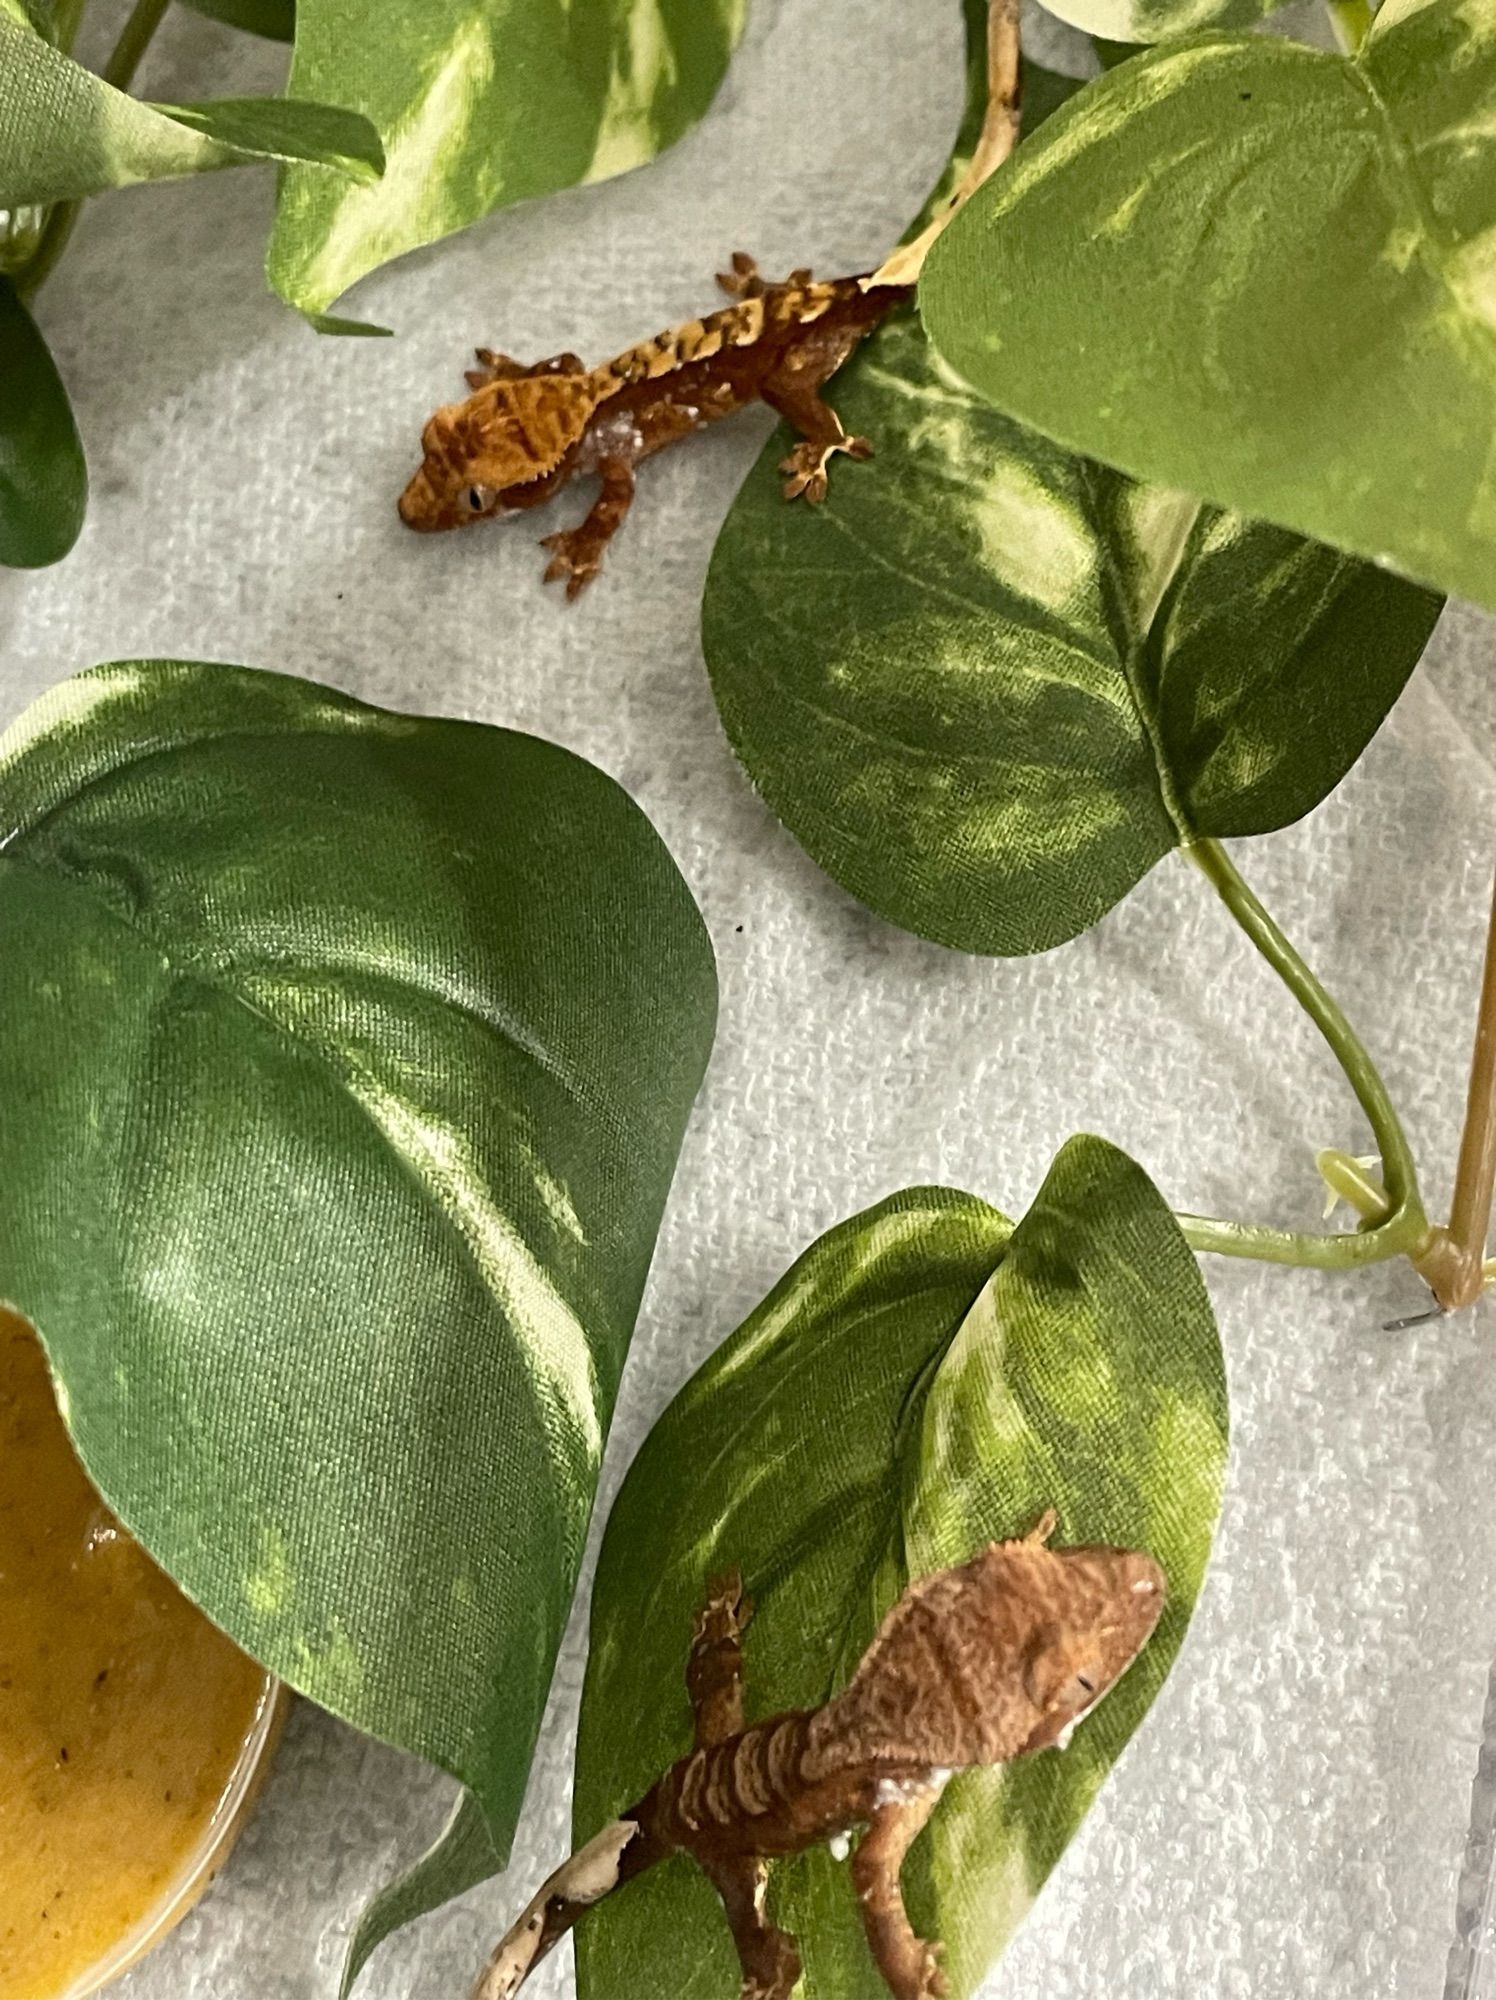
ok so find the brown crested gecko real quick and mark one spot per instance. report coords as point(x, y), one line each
point(973, 1666)
point(525, 431)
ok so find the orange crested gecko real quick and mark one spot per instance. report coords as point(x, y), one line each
point(525, 431)
point(992, 1660)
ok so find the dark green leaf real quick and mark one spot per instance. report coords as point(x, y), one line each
point(43, 479)
point(1112, 55)
point(64, 132)
point(346, 1058)
point(273, 18)
point(1266, 274)
point(907, 1393)
point(483, 106)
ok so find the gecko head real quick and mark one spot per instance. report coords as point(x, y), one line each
point(490, 454)
point(1103, 1606)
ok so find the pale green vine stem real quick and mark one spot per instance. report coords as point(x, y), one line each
point(1405, 1232)
point(134, 39)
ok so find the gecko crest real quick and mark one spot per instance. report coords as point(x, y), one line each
point(525, 431)
point(994, 1659)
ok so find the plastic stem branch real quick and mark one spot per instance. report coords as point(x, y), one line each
point(1454, 1264)
point(1405, 1232)
point(999, 135)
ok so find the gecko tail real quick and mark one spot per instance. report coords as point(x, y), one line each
point(609, 1859)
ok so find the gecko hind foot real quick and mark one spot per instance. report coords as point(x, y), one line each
point(575, 560)
point(779, 1981)
point(805, 467)
point(934, 1984)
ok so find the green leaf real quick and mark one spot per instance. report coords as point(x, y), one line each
point(1110, 22)
point(64, 132)
point(347, 329)
point(483, 106)
point(1266, 274)
point(43, 478)
point(275, 19)
point(36, 15)
point(347, 1054)
point(461, 1856)
point(912, 1389)
point(989, 685)
point(280, 128)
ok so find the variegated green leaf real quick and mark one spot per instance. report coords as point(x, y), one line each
point(482, 105)
point(916, 1386)
point(346, 1058)
point(1266, 274)
point(988, 685)
point(64, 132)
point(1123, 21)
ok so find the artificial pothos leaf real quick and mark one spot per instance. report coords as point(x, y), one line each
point(1264, 273)
point(346, 1059)
point(924, 1380)
point(273, 18)
point(64, 132)
point(37, 15)
point(461, 1856)
point(1124, 21)
point(43, 479)
point(988, 685)
point(483, 106)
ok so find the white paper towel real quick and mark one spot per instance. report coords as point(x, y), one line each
point(1291, 1821)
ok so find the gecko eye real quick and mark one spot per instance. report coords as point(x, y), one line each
point(1088, 1685)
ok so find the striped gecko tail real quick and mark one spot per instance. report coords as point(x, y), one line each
point(614, 1856)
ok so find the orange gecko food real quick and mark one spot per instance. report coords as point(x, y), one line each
point(126, 1718)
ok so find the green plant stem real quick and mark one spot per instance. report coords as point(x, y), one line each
point(1406, 1231)
point(134, 39)
point(1351, 20)
point(69, 14)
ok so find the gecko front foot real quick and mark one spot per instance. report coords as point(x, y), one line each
point(745, 281)
point(494, 367)
point(805, 468)
point(575, 559)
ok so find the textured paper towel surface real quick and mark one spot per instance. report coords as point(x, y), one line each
point(1291, 1821)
